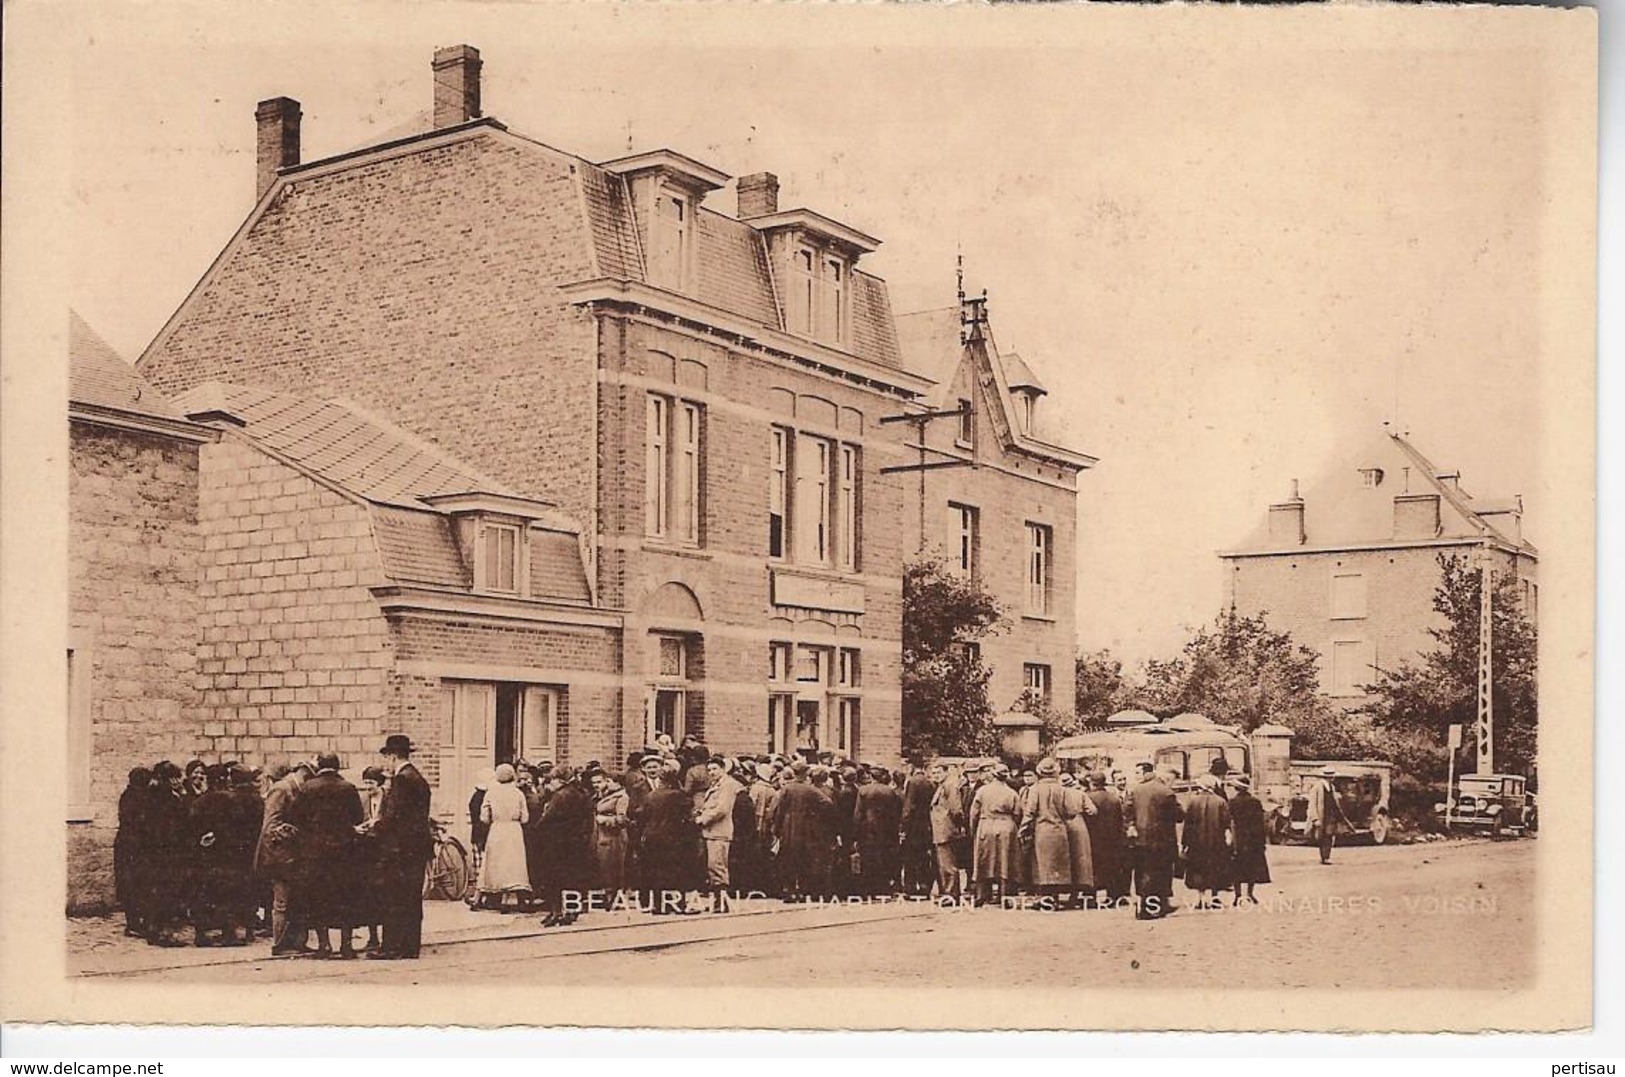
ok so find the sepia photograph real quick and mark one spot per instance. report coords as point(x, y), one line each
point(1069, 516)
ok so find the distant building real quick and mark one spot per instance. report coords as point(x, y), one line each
point(1350, 568)
point(133, 567)
point(1008, 517)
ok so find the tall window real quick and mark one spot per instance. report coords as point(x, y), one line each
point(1040, 569)
point(499, 557)
point(966, 525)
point(804, 292)
point(813, 700)
point(847, 507)
point(967, 425)
point(812, 501)
point(1352, 662)
point(820, 292)
point(669, 240)
point(673, 470)
point(778, 492)
point(1035, 683)
point(832, 301)
point(666, 706)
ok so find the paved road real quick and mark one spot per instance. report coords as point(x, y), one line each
point(1439, 915)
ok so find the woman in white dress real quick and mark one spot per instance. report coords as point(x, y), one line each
point(504, 878)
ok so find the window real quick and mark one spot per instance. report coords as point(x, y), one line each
point(818, 300)
point(778, 492)
point(778, 662)
point(499, 557)
point(966, 525)
point(968, 649)
point(1348, 596)
point(813, 701)
point(1531, 599)
point(847, 507)
point(1026, 410)
point(1352, 662)
point(1035, 682)
point(848, 672)
point(1371, 477)
point(666, 706)
point(673, 470)
point(812, 501)
point(669, 241)
point(844, 735)
point(1040, 553)
point(966, 437)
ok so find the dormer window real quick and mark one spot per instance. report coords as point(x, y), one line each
point(1371, 477)
point(818, 295)
point(499, 555)
point(832, 302)
point(669, 240)
point(1026, 411)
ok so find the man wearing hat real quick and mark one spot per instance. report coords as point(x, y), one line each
point(1153, 815)
point(878, 818)
point(1326, 812)
point(405, 842)
point(326, 815)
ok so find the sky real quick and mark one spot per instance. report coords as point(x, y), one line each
point(1231, 247)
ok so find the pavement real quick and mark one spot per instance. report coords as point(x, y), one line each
point(1378, 917)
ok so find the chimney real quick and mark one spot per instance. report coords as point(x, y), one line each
point(456, 85)
point(1286, 520)
point(758, 195)
point(277, 124)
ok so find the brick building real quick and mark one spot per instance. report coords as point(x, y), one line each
point(357, 581)
point(134, 547)
point(1350, 568)
point(701, 390)
point(1007, 514)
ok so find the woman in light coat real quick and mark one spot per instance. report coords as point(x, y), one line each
point(996, 851)
point(1043, 822)
point(504, 877)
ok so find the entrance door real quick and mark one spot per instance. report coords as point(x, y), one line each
point(469, 718)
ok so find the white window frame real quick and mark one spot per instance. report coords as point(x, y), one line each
point(657, 442)
point(1346, 601)
point(804, 290)
point(967, 523)
point(484, 566)
point(813, 540)
point(670, 239)
point(832, 290)
point(965, 434)
point(687, 462)
point(674, 470)
point(848, 470)
point(779, 492)
point(1037, 682)
point(662, 682)
point(1040, 569)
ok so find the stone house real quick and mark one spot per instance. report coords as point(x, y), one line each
point(357, 581)
point(1002, 503)
point(1349, 569)
point(702, 391)
point(134, 547)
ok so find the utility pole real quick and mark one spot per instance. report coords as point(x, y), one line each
point(1485, 728)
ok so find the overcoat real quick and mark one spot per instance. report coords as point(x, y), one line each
point(1044, 820)
point(504, 811)
point(918, 793)
point(610, 838)
point(215, 854)
point(947, 814)
point(129, 846)
point(1247, 821)
point(404, 839)
point(745, 854)
point(274, 856)
point(876, 820)
point(803, 825)
point(565, 837)
point(1079, 809)
point(668, 838)
point(1106, 837)
point(994, 822)
point(169, 858)
point(1207, 852)
point(326, 814)
point(1153, 810)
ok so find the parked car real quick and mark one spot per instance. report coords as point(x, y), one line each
point(1362, 788)
point(1497, 804)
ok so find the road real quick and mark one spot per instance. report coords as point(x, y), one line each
point(1398, 916)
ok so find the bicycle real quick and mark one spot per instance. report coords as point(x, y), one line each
point(449, 873)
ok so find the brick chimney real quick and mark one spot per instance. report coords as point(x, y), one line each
point(456, 85)
point(277, 146)
point(758, 195)
point(1286, 520)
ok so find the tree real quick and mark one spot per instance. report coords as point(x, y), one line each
point(1236, 671)
point(1101, 691)
point(945, 705)
point(1424, 696)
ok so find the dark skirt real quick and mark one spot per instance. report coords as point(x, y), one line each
point(1251, 866)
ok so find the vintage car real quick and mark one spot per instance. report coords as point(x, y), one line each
point(1362, 788)
point(1498, 804)
point(1183, 747)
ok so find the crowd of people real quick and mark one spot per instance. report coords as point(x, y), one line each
point(680, 829)
point(224, 852)
point(303, 855)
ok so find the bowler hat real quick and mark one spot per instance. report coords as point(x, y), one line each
point(398, 744)
point(1328, 772)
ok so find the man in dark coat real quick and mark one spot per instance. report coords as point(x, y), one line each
point(276, 860)
point(405, 841)
point(1106, 840)
point(1247, 822)
point(564, 837)
point(1153, 815)
point(744, 853)
point(1207, 841)
point(248, 813)
point(844, 794)
point(169, 850)
point(919, 856)
point(213, 815)
point(327, 814)
point(877, 819)
point(130, 851)
point(803, 828)
point(667, 838)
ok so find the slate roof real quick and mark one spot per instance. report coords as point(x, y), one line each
point(392, 471)
point(99, 376)
point(1021, 375)
point(930, 346)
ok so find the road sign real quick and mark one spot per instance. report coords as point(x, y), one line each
point(1455, 737)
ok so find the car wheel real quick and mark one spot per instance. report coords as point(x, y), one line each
point(1379, 828)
